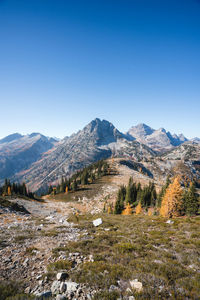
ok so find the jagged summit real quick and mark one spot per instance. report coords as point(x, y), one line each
point(159, 140)
point(140, 131)
point(40, 161)
point(97, 140)
point(104, 131)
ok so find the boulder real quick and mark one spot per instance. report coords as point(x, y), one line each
point(97, 222)
point(61, 297)
point(44, 295)
point(61, 276)
point(113, 288)
point(136, 285)
point(55, 287)
point(63, 287)
point(170, 222)
point(71, 286)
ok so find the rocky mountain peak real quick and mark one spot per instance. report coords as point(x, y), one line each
point(140, 131)
point(10, 138)
point(103, 131)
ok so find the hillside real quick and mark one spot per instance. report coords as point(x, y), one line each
point(140, 256)
point(40, 161)
point(18, 152)
point(99, 139)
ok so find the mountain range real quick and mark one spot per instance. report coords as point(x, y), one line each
point(159, 140)
point(40, 161)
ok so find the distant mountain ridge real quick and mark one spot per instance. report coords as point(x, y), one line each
point(98, 140)
point(40, 161)
point(159, 140)
point(18, 152)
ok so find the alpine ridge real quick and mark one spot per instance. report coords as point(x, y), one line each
point(159, 140)
point(40, 161)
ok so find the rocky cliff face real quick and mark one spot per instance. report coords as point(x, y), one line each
point(40, 161)
point(158, 140)
point(98, 140)
point(18, 152)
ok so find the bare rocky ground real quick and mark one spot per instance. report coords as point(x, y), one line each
point(27, 241)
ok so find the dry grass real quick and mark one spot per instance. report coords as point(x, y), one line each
point(164, 257)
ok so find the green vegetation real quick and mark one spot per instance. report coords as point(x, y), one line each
point(13, 189)
point(59, 265)
point(134, 194)
point(11, 290)
point(191, 200)
point(13, 206)
point(164, 257)
point(174, 199)
point(83, 177)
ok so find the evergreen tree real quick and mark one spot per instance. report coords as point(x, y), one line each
point(191, 200)
point(50, 189)
point(162, 192)
point(74, 185)
point(119, 205)
point(84, 178)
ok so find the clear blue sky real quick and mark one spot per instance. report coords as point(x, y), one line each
point(66, 62)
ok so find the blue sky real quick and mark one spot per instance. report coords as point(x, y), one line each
point(64, 63)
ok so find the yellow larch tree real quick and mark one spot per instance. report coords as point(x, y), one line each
point(172, 200)
point(150, 211)
point(9, 191)
point(138, 209)
point(127, 211)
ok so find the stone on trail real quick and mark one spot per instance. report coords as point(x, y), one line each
point(97, 222)
point(170, 222)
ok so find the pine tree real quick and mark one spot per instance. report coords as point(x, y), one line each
point(191, 200)
point(172, 202)
point(74, 185)
point(84, 179)
point(128, 194)
point(50, 189)
point(119, 204)
point(162, 192)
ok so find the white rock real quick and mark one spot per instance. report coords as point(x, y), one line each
point(61, 297)
point(63, 287)
point(49, 217)
point(170, 222)
point(135, 284)
point(55, 287)
point(71, 286)
point(43, 295)
point(97, 222)
point(61, 276)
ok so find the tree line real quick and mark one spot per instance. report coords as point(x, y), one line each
point(12, 189)
point(174, 199)
point(88, 175)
